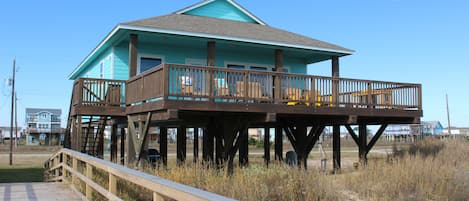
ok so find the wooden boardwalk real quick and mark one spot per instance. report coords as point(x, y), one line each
point(37, 191)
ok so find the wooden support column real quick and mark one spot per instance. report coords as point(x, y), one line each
point(335, 82)
point(208, 142)
point(300, 134)
point(130, 147)
point(181, 145)
point(79, 133)
point(211, 53)
point(196, 145)
point(362, 140)
point(133, 54)
point(278, 143)
point(164, 145)
point(73, 133)
point(219, 149)
point(336, 147)
point(243, 147)
point(335, 66)
point(267, 146)
point(114, 143)
point(122, 160)
point(277, 79)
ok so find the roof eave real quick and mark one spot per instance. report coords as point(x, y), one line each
point(80, 67)
point(238, 39)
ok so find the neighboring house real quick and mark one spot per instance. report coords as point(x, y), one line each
point(215, 65)
point(43, 126)
point(427, 128)
point(431, 128)
point(5, 132)
point(402, 130)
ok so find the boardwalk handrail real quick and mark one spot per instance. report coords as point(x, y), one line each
point(59, 168)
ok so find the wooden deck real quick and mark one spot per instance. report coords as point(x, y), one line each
point(192, 88)
point(37, 191)
point(225, 103)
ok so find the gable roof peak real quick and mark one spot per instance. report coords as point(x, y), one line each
point(233, 3)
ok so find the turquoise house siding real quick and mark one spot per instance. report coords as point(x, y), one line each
point(116, 59)
point(221, 9)
point(94, 69)
point(121, 62)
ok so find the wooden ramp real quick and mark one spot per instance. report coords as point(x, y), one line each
point(37, 191)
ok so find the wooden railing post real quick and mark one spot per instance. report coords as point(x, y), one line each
point(74, 167)
point(246, 87)
point(80, 91)
point(165, 81)
point(313, 98)
point(277, 90)
point(419, 97)
point(157, 197)
point(112, 187)
point(89, 174)
point(211, 83)
point(369, 97)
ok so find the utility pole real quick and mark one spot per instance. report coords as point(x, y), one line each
point(12, 111)
point(16, 121)
point(447, 113)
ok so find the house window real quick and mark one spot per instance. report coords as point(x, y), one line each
point(259, 68)
point(146, 63)
point(235, 66)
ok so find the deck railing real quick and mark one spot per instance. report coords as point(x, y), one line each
point(92, 176)
point(195, 83)
point(98, 92)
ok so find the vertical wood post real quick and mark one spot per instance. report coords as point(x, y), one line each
point(243, 147)
point(211, 62)
point(335, 80)
point(89, 174)
point(362, 140)
point(278, 143)
point(79, 134)
point(219, 147)
point(130, 147)
point(157, 197)
point(164, 145)
point(74, 167)
point(133, 54)
point(112, 184)
point(196, 145)
point(336, 147)
point(114, 143)
point(277, 79)
point(211, 53)
point(300, 134)
point(181, 145)
point(208, 139)
point(122, 156)
point(267, 146)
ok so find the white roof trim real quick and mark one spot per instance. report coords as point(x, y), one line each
point(203, 35)
point(203, 3)
point(94, 51)
point(184, 33)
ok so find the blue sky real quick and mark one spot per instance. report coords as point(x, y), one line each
point(419, 41)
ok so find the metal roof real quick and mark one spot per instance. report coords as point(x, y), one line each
point(235, 30)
